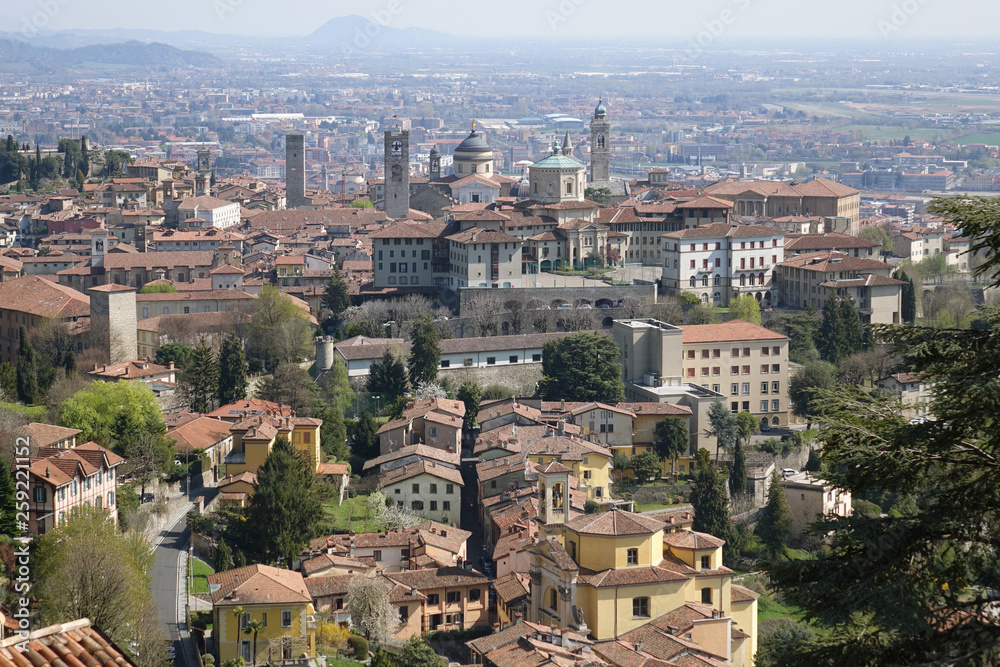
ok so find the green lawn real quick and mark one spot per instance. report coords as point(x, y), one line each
point(344, 518)
point(35, 413)
point(774, 609)
point(990, 139)
point(199, 576)
point(342, 662)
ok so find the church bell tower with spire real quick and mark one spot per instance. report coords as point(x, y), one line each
point(600, 145)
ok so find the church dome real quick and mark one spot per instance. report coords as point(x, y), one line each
point(600, 111)
point(474, 144)
point(435, 152)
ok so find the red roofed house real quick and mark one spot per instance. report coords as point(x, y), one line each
point(28, 301)
point(204, 434)
point(63, 479)
point(435, 422)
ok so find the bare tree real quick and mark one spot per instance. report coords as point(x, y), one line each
point(668, 309)
point(578, 319)
point(541, 321)
point(179, 329)
point(371, 611)
point(632, 307)
point(484, 312)
point(516, 310)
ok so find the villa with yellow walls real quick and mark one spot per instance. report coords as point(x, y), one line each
point(254, 437)
point(277, 598)
point(610, 573)
point(589, 462)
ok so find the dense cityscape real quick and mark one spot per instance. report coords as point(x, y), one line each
point(408, 347)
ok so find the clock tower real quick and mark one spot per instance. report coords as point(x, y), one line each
point(397, 173)
point(600, 145)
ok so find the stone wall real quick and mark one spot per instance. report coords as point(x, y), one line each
point(520, 378)
point(553, 296)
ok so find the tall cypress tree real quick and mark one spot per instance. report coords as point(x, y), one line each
point(84, 157)
point(425, 355)
point(11, 146)
point(232, 371)
point(8, 503)
point(738, 478)
point(909, 298)
point(27, 370)
point(854, 335)
point(775, 524)
point(830, 335)
point(202, 377)
point(336, 299)
point(711, 506)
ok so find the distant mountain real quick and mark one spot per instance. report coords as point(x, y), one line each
point(360, 33)
point(21, 56)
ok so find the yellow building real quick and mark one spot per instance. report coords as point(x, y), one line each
point(254, 437)
point(589, 462)
point(610, 573)
point(276, 598)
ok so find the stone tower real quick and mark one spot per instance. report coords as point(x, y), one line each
point(397, 173)
point(295, 170)
point(600, 145)
point(203, 178)
point(113, 322)
point(98, 246)
point(553, 493)
point(434, 172)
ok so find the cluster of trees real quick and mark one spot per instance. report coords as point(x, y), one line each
point(209, 380)
point(582, 367)
point(19, 162)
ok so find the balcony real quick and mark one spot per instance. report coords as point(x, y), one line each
point(706, 269)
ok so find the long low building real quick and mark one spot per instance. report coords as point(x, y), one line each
point(360, 352)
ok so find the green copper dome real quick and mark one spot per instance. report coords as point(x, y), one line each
point(600, 111)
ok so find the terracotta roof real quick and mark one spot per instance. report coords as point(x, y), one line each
point(826, 261)
point(44, 435)
point(250, 406)
point(129, 370)
point(333, 469)
point(74, 644)
point(829, 241)
point(614, 522)
point(733, 330)
point(200, 433)
point(689, 539)
point(442, 577)
point(739, 593)
point(152, 260)
point(258, 584)
point(866, 280)
point(431, 468)
point(512, 587)
point(43, 298)
point(423, 451)
point(245, 476)
point(630, 577)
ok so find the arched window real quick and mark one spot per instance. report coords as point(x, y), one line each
point(761, 278)
point(753, 279)
point(693, 281)
point(717, 297)
point(743, 280)
point(717, 281)
point(704, 298)
point(553, 599)
point(704, 281)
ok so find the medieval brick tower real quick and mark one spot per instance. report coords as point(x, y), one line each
point(600, 145)
point(397, 173)
point(295, 170)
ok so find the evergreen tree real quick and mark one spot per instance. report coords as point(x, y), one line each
point(582, 367)
point(232, 371)
point(425, 355)
point(8, 503)
point(645, 466)
point(80, 180)
point(333, 433)
point(286, 509)
point(68, 165)
point(470, 393)
point(854, 335)
point(830, 337)
point(27, 370)
point(723, 427)
point(8, 381)
point(909, 313)
point(672, 440)
point(202, 378)
point(11, 146)
point(775, 524)
point(223, 556)
point(69, 364)
point(336, 299)
point(364, 437)
point(416, 653)
point(738, 477)
point(387, 377)
point(711, 506)
point(84, 157)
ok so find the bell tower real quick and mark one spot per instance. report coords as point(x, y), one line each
point(434, 171)
point(397, 173)
point(600, 145)
point(553, 493)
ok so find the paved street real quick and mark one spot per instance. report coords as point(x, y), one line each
point(168, 583)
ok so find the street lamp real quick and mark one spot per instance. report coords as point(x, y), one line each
point(376, 406)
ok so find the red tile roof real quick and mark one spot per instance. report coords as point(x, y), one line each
point(733, 330)
point(74, 644)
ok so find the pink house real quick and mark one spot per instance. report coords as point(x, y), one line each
point(62, 479)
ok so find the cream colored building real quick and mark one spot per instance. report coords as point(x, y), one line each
point(811, 499)
point(742, 364)
point(427, 488)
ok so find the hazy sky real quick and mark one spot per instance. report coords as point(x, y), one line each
point(721, 19)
